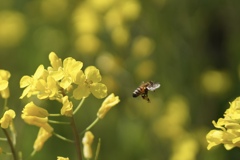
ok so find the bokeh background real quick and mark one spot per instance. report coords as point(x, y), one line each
point(191, 47)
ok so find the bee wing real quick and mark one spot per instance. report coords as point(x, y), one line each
point(153, 87)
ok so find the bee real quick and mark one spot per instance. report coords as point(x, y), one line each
point(144, 88)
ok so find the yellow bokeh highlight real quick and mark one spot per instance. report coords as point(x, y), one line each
point(85, 20)
point(106, 62)
point(176, 116)
point(113, 18)
point(130, 9)
point(121, 11)
point(142, 46)
point(214, 81)
point(145, 69)
point(54, 9)
point(12, 28)
point(120, 36)
point(87, 44)
point(101, 5)
point(185, 148)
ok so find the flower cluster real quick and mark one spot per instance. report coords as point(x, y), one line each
point(9, 114)
point(61, 79)
point(229, 128)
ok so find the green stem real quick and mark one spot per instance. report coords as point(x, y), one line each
point(57, 122)
point(76, 137)
point(91, 125)
point(62, 138)
point(54, 115)
point(3, 139)
point(5, 104)
point(98, 148)
point(10, 144)
point(79, 106)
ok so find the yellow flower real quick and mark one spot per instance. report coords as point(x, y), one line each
point(87, 142)
point(42, 137)
point(54, 61)
point(37, 116)
point(88, 82)
point(31, 82)
point(65, 73)
point(47, 88)
point(107, 104)
point(4, 90)
point(62, 158)
point(67, 108)
point(229, 126)
point(7, 118)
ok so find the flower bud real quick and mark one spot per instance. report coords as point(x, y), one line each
point(107, 104)
point(87, 142)
point(7, 118)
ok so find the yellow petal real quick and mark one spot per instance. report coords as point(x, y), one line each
point(3, 84)
point(57, 75)
point(66, 82)
point(4, 74)
point(32, 110)
point(70, 64)
point(25, 92)
point(5, 93)
point(42, 137)
point(82, 91)
point(39, 72)
point(62, 158)
point(80, 78)
point(99, 90)
point(25, 81)
point(93, 74)
point(55, 61)
point(67, 108)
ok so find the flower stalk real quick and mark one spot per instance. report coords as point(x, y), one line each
point(14, 154)
point(63, 138)
point(91, 125)
point(79, 106)
point(76, 137)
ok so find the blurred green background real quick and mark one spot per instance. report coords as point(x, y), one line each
point(191, 47)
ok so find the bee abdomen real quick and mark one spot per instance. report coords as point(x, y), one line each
point(136, 92)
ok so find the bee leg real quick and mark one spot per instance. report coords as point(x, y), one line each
point(145, 96)
point(148, 100)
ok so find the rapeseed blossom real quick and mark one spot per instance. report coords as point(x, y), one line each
point(66, 72)
point(228, 132)
point(4, 76)
point(37, 116)
point(30, 82)
point(89, 82)
point(67, 108)
point(62, 81)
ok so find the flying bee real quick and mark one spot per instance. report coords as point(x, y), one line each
point(144, 88)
